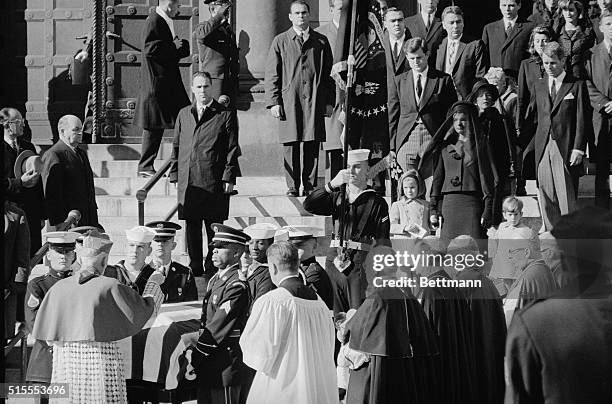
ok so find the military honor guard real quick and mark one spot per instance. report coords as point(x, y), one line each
point(366, 222)
point(257, 276)
point(313, 274)
point(60, 256)
point(179, 285)
point(217, 357)
point(134, 271)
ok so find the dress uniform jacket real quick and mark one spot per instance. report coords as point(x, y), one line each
point(217, 357)
point(438, 96)
point(162, 93)
point(68, 184)
point(259, 281)
point(565, 121)
point(507, 52)
point(316, 277)
point(204, 155)
point(415, 27)
point(219, 55)
point(471, 63)
point(549, 362)
point(333, 126)
point(179, 285)
point(298, 78)
point(41, 358)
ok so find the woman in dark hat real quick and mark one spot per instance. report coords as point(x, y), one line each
point(464, 178)
point(498, 130)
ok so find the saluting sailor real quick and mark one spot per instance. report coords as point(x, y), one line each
point(217, 357)
point(60, 257)
point(134, 271)
point(179, 285)
point(365, 222)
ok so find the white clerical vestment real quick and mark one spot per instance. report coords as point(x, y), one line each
point(290, 343)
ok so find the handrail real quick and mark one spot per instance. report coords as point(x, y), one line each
point(73, 218)
point(141, 194)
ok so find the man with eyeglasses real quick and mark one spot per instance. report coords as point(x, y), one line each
point(67, 176)
point(534, 279)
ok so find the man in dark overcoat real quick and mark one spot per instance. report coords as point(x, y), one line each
point(333, 125)
point(600, 91)
point(204, 166)
point(67, 176)
point(218, 50)
point(162, 93)
point(299, 92)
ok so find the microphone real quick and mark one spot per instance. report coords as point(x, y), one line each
point(224, 100)
point(112, 35)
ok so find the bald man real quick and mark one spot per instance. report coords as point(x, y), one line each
point(67, 177)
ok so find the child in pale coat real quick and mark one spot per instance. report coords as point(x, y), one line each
point(512, 228)
point(409, 215)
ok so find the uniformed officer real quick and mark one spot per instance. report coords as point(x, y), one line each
point(217, 357)
point(313, 274)
point(366, 222)
point(179, 285)
point(218, 50)
point(258, 276)
point(134, 271)
point(60, 257)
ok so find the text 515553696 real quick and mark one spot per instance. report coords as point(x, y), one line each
point(24, 390)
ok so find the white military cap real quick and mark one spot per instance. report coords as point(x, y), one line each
point(62, 238)
point(261, 231)
point(355, 156)
point(140, 234)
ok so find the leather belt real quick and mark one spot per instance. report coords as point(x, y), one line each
point(353, 245)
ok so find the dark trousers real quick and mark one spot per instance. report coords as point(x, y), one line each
point(602, 170)
point(193, 235)
point(307, 175)
point(333, 163)
point(151, 140)
point(218, 395)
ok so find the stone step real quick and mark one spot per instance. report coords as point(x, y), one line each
point(110, 152)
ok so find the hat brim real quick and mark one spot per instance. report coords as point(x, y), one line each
point(223, 244)
point(21, 158)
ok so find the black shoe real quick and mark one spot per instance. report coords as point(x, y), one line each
point(292, 192)
point(521, 191)
point(306, 192)
point(146, 174)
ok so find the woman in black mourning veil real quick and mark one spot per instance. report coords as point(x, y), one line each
point(464, 176)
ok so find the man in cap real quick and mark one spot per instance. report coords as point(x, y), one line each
point(60, 257)
point(85, 315)
point(302, 237)
point(257, 275)
point(557, 349)
point(25, 187)
point(216, 356)
point(366, 222)
point(134, 271)
point(218, 50)
point(180, 284)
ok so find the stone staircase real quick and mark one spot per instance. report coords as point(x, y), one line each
point(260, 198)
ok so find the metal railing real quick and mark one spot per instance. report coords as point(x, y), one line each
point(143, 193)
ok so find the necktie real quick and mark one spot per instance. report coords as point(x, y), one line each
point(419, 86)
point(395, 51)
point(553, 90)
point(452, 48)
point(508, 28)
point(14, 145)
point(301, 40)
point(428, 22)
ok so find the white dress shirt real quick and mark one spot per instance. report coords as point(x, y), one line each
point(399, 42)
point(168, 20)
point(304, 34)
point(415, 77)
point(451, 62)
point(426, 16)
point(511, 22)
point(200, 108)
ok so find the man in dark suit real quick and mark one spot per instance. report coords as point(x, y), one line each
point(162, 93)
point(507, 39)
point(557, 350)
point(427, 26)
point(299, 93)
point(600, 90)
point(459, 55)
point(218, 50)
point(393, 43)
point(417, 105)
point(25, 190)
point(561, 103)
point(67, 176)
point(179, 285)
point(205, 166)
point(333, 126)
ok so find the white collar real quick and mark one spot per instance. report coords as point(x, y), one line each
point(336, 24)
point(67, 144)
point(167, 18)
point(289, 276)
point(425, 16)
point(558, 80)
point(305, 34)
point(608, 45)
point(513, 22)
point(201, 107)
point(455, 40)
point(400, 40)
point(415, 74)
